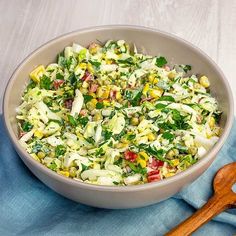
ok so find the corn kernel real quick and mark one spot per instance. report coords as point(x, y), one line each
point(121, 145)
point(38, 134)
point(93, 48)
point(85, 84)
point(106, 103)
point(92, 94)
point(65, 173)
point(94, 101)
point(212, 122)
point(156, 93)
point(118, 95)
point(204, 81)
point(141, 162)
point(152, 79)
point(83, 66)
point(171, 75)
point(145, 88)
point(143, 155)
point(134, 121)
point(109, 61)
point(37, 73)
point(169, 174)
point(97, 116)
point(151, 137)
point(103, 92)
point(35, 157)
point(91, 105)
point(41, 155)
point(175, 162)
point(90, 68)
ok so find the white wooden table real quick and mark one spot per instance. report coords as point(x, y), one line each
point(26, 24)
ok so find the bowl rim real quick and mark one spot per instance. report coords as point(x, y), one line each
point(131, 188)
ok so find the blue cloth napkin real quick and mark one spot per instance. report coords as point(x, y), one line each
point(28, 207)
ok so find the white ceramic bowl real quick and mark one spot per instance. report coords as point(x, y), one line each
point(148, 40)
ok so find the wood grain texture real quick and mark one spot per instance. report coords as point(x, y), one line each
point(26, 24)
point(222, 199)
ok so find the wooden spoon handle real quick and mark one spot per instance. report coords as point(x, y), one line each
point(214, 206)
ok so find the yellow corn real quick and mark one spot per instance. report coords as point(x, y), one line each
point(143, 155)
point(94, 101)
point(41, 155)
point(35, 157)
point(175, 162)
point(171, 75)
point(65, 173)
point(169, 174)
point(121, 145)
point(91, 105)
point(103, 92)
point(204, 81)
point(97, 116)
point(134, 121)
point(151, 137)
point(90, 68)
point(106, 103)
point(141, 162)
point(92, 94)
point(118, 95)
point(38, 134)
point(156, 93)
point(85, 84)
point(83, 66)
point(93, 48)
point(37, 73)
point(108, 61)
point(152, 79)
point(212, 122)
point(145, 88)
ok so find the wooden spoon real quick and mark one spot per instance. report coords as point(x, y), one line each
point(222, 199)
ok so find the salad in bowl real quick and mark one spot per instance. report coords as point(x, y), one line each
point(110, 115)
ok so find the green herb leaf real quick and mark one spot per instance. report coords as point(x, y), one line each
point(87, 98)
point(169, 136)
point(107, 134)
point(161, 61)
point(84, 167)
point(99, 105)
point(128, 61)
point(166, 98)
point(31, 85)
point(26, 126)
point(82, 120)
point(186, 68)
point(60, 150)
point(53, 166)
point(72, 120)
point(136, 98)
point(131, 137)
point(45, 82)
point(59, 76)
point(72, 79)
point(37, 147)
point(96, 64)
point(160, 106)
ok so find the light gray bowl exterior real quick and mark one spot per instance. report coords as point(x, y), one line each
point(149, 41)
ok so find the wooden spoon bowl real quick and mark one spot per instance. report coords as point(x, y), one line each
point(223, 198)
